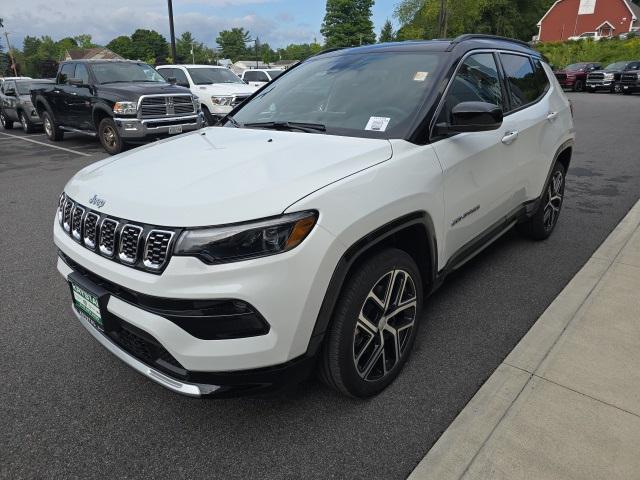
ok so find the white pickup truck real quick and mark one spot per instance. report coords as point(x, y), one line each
point(218, 88)
point(260, 77)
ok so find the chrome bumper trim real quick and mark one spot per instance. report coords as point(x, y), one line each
point(188, 389)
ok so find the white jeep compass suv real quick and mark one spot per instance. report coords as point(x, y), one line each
point(307, 232)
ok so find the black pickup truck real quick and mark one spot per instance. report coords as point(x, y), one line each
point(119, 101)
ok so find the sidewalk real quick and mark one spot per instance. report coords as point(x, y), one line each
point(565, 403)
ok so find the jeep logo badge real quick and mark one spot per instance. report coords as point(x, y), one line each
point(97, 201)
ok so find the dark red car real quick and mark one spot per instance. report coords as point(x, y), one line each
point(574, 76)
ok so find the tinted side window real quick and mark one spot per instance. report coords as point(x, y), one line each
point(251, 76)
point(521, 79)
point(82, 74)
point(181, 78)
point(477, 80)
point(166, 73)
point(67, 72)
point(542, 81)
point(261, 77)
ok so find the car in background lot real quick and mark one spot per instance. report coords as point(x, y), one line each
point(609, 77)
point(308, 229)
point(119, 101)
point(4, 79)
point(16, 106)
point(574, 76)
point(630, 82)
point(587, 36)
point(259, 77)
point(218, 88)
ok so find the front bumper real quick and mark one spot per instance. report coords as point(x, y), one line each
point(567, 83)
point(630, 87)
point(134, 128)
point(597, 85)
point(286, 289)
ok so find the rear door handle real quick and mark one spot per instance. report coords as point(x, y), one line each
point(552, 116)
point(510, 137)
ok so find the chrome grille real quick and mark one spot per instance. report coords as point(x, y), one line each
point(629, 78)
point(166, 105)
point(76, 222)
point(156, 250)
point(90, 230)
point(66, 215)
point(129, 243)
point(140, 246)
point(596, 76)
point(108, 237)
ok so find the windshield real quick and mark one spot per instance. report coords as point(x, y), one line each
point(350, 94)
point(617, 66)
point(207, 76)
point(24, 88)
point(576, 66)
point(120, 72)
point(275, 73)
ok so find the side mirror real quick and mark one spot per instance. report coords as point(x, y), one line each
point(172, 80)
point(10, 92)
point(473, 117)
point(76, 82)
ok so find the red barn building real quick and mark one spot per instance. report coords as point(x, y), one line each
point(570, 18)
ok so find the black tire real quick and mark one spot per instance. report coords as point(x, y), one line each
point(352, 361)
point(26, 124)
point(109, 136)
point(5, 122)
point(616, 88)
point(211, 120)
point(541, 225)
point(51, 129)
point(578, 86)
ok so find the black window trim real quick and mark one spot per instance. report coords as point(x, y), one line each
point(431, 137)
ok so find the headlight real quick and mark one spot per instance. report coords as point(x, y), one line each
point(222, 100)
point(609, 76)
point(261, 238)
point(125, 108)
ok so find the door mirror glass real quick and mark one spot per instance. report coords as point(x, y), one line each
point(76, 82)
point(172, 80)
point(475, 117)
point(10, 92)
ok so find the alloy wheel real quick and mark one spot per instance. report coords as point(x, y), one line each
point(109, 135)
point(384, 325)
point(47, 126)
point(553, 200)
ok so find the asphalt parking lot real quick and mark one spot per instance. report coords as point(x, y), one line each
point(69, 409)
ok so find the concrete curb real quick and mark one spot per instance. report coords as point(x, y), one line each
point(461, 444)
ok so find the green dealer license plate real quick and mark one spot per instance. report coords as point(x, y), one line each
point(87, 303)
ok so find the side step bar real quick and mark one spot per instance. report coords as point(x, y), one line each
point(76, 130)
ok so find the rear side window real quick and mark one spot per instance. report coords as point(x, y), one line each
point(181, 78)
point(253, 76)
point(67, 72)
point(542, 81)
point(523, 87)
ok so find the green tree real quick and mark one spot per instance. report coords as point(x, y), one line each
point(201, 53)
point(84, 40)
point(347, 23)
point(386, 34)
point(233, 43)
point(123, 46)
point(65, 44)
point(150, 46)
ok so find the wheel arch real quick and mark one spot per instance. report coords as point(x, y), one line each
point(414, 233)
point(100, 111)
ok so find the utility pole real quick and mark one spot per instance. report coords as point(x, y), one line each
point(256, 43)
point(172, 32)
point(193, 53)
point(442, 19)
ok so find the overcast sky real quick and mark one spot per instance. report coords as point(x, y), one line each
point(278, 22)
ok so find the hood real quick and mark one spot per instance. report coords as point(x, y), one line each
point(570, 72)
point(129, 89)
point(606, 71)
point(226, 89)
point(220, 175)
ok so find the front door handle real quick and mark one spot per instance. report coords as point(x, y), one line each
point(510, 137)
point(552, 116)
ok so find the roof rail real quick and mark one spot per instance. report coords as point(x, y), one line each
point(480, 36)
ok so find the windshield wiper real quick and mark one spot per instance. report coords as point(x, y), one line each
point(301, 126)
point(233, 121)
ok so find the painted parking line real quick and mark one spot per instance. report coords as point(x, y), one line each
point(46, 144)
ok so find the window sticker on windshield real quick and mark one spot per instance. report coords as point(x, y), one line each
point(420, 76)
point(378, 124)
